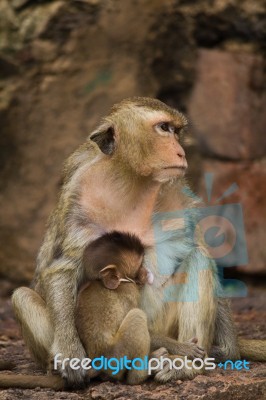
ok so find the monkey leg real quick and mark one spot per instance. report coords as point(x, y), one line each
point(132, 340)
point(197, 314)
point(31, 313)
point(226, 345)
point(194, 310)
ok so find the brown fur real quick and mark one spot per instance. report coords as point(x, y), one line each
point(118, 180)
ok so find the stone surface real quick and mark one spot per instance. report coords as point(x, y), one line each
point(250, 316)
point(53, 111)
point(251, 194)
point(19, 3)
point(228, 102)
point(64, 63)
point(75, 65)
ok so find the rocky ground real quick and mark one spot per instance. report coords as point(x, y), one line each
point(250, 317)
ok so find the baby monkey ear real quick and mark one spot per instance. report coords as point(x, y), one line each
point(104, 137)
point(110, 277)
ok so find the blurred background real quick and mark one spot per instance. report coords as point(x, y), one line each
point(64, 63)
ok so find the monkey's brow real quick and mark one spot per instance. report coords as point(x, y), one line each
point(181, 124)
point(174, 122)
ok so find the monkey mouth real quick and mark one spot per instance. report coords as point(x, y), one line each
point(182, 167)
point(170, 172)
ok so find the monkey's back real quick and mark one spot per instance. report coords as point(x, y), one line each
point(100, 312)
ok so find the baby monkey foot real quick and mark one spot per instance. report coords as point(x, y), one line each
point(155, 355)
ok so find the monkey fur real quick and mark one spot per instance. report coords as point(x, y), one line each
point(129, 171)
point(114, 325)
point(108, 318)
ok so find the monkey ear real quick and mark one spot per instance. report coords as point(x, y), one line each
point(105, 139)
point(110, 277)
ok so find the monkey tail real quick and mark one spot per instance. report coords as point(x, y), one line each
point(254, 350)
point(31, 381)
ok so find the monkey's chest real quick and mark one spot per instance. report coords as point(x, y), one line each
point(130, 221)
point(110, 211)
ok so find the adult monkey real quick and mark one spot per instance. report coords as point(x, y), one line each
point(130, 168)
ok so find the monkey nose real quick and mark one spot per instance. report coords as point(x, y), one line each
point(181, 152)
point(182, 160)
point(180, 155)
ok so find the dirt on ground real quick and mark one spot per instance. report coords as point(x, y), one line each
point(250, 318)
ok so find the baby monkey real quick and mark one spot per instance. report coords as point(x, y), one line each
point(108, 319)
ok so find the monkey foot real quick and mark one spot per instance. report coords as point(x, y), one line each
point(168, 372)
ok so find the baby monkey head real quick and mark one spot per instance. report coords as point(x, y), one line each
point(117, 257)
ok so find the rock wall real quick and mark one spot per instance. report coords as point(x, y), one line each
point(227, 106)
point(64, 63)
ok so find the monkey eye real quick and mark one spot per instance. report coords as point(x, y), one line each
point(166, 127)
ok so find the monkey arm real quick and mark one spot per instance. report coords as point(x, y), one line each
point(189, 348)
point(226, 344)
point(59, 282)
point(158, 341)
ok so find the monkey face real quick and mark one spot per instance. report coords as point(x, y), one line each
point(170, 156)
point(143, 136)
point(153, 147)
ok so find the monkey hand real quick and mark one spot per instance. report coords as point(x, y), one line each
point(61, 356)
point(191, 349)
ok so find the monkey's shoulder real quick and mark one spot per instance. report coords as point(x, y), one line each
point(84, 154)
